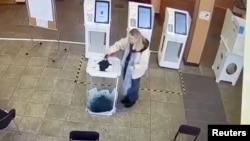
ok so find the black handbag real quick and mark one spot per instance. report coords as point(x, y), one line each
point(104, 64)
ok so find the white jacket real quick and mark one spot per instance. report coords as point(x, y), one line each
point(141, 60)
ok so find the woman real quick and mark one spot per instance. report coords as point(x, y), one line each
point(134, 64)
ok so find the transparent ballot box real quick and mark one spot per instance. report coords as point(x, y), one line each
point(102, 86)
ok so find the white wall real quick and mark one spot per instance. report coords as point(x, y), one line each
point(245, 106)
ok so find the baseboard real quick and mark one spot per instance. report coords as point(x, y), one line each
point(190, 64)
point(20, 2)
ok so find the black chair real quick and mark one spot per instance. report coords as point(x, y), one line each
point(84, 136)
point(188, 130)
point(6, 118)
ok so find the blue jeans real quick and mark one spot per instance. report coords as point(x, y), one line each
point(132, 94)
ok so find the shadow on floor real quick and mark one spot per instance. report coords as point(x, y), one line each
point(202, 103)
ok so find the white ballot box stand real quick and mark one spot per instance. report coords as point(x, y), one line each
point(141, 17)
point(97, 21)
point(103, 83)
point(228, 62)
point(174, 36)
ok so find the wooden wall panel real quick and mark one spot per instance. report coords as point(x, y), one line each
point(7, 1)
point(224, 4)
point(188, 5)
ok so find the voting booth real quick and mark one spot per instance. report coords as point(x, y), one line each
point(102, 88)
point(141, 17)
point(227, 66)
point(97, 21)
point(174, 36)
point(233, 33)
point(228, 63)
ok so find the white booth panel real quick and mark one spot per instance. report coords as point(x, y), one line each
point(95, 46)
point(141, 17)
point(89, 8)
point(233, 33)
point(174, 36)
point(227, 66)
point(96, 42)
point(162, 43)
point(172, 52)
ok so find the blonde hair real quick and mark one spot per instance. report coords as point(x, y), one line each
point(140, 39)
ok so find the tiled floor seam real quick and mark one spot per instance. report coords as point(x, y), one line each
point(182, 82)
point(79, 68)
point(143, 89)
point(16, 87)
point(150, 115)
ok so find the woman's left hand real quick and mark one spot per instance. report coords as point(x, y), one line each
point(131, 68)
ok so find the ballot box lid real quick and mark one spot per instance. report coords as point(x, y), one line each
point(113, 71)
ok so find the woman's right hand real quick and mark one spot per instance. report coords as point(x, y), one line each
point(107, 53)
point(106, 56)
point(110, 52)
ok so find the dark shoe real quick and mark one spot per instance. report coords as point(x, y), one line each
point(128, 105)
point(124, 100)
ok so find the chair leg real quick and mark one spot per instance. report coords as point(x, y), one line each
point(17, 126)
point(175, 136)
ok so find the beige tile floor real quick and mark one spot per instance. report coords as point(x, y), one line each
point(49, 104)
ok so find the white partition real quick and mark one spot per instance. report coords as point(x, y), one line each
point(227, 66)
point(141, 17)
point(233, 32)
point(174, 36)
point(228, 62)
point(97, 21)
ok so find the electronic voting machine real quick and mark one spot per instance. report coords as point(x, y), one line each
point(97, 21)
point(174, 36)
